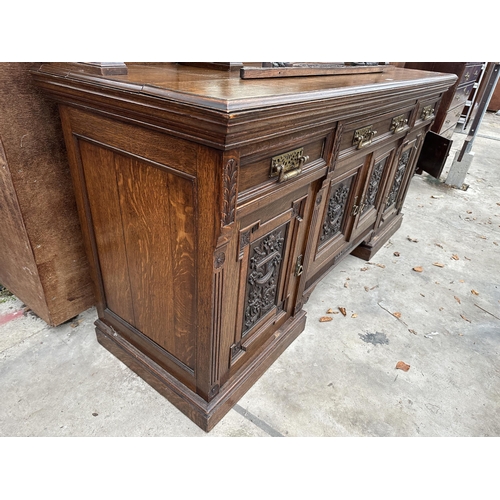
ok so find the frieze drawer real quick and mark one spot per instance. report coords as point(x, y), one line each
point(426, 112)
point(262, 174)
point(365, 133)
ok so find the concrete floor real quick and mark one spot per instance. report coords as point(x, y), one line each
point(338, 378)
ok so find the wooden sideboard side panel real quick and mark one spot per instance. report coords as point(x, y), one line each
point(143, 222)
point(166, 150)
point(157, 211)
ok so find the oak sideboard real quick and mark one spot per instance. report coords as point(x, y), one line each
point(212, 204)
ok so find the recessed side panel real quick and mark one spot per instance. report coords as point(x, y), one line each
point(143, 221)
point(103, 199)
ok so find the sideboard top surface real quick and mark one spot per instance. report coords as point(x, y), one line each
point(225, 91)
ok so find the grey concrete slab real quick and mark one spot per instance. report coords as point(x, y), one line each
point(339, 378)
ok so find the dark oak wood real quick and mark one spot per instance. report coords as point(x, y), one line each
point(42, 258)
point(212, 205)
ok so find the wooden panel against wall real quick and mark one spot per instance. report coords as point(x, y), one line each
point(30, 130)
point(17, 263)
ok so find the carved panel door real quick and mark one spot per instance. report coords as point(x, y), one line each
point(332, 219)
point(335, 228)
point(271, 242)
point(367, 203)
point(403, 169)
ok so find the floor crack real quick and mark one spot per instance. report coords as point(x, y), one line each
point(257, 421)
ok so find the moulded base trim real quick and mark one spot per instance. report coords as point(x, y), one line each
point(204, 414)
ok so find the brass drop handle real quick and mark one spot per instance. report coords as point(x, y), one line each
point(427, 112)
point(363, 137)
point(398, 123)
point(284, 175)
point(288, 165)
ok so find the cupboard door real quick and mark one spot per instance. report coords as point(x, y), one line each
point(271, 245)
point(435, 151)
point(366, 211)
point(403, 169)
point(332, 218)
point(336, 227)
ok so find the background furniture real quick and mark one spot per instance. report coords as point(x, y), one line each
point(212, 205)
point(458, 102)
point(494, 104)
point(42, 259)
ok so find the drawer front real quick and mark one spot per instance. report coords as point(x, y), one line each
point(426, 111)
point(452, 118)
point(281, 162)
point(470, 74)
point(462, 94)
point(448, 133)
point(373, 131)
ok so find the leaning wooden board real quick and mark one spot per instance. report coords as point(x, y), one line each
point(42, 259)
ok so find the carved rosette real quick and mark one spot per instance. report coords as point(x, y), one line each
point(230, 191)
point(219, 260)
point(335, 212)
point(398, 179)
point(374, 184)
point(266, 255)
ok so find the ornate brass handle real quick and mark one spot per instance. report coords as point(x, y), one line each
point(363, 137)
point(398, 123)
point(288, 165)
point(427, 112)
point(284, 174)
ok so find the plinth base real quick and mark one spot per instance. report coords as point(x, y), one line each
point(204, 414)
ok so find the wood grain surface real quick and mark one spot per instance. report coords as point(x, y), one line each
point(42, 259)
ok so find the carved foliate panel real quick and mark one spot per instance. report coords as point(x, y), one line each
point(336, 209)
point(230, 191)
point(265, 262)
point(398, 179)
point(373, 185)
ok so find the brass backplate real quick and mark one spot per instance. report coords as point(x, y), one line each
point(290, 161)
point(363, 136)
point(398, 123)
point(427, 112)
